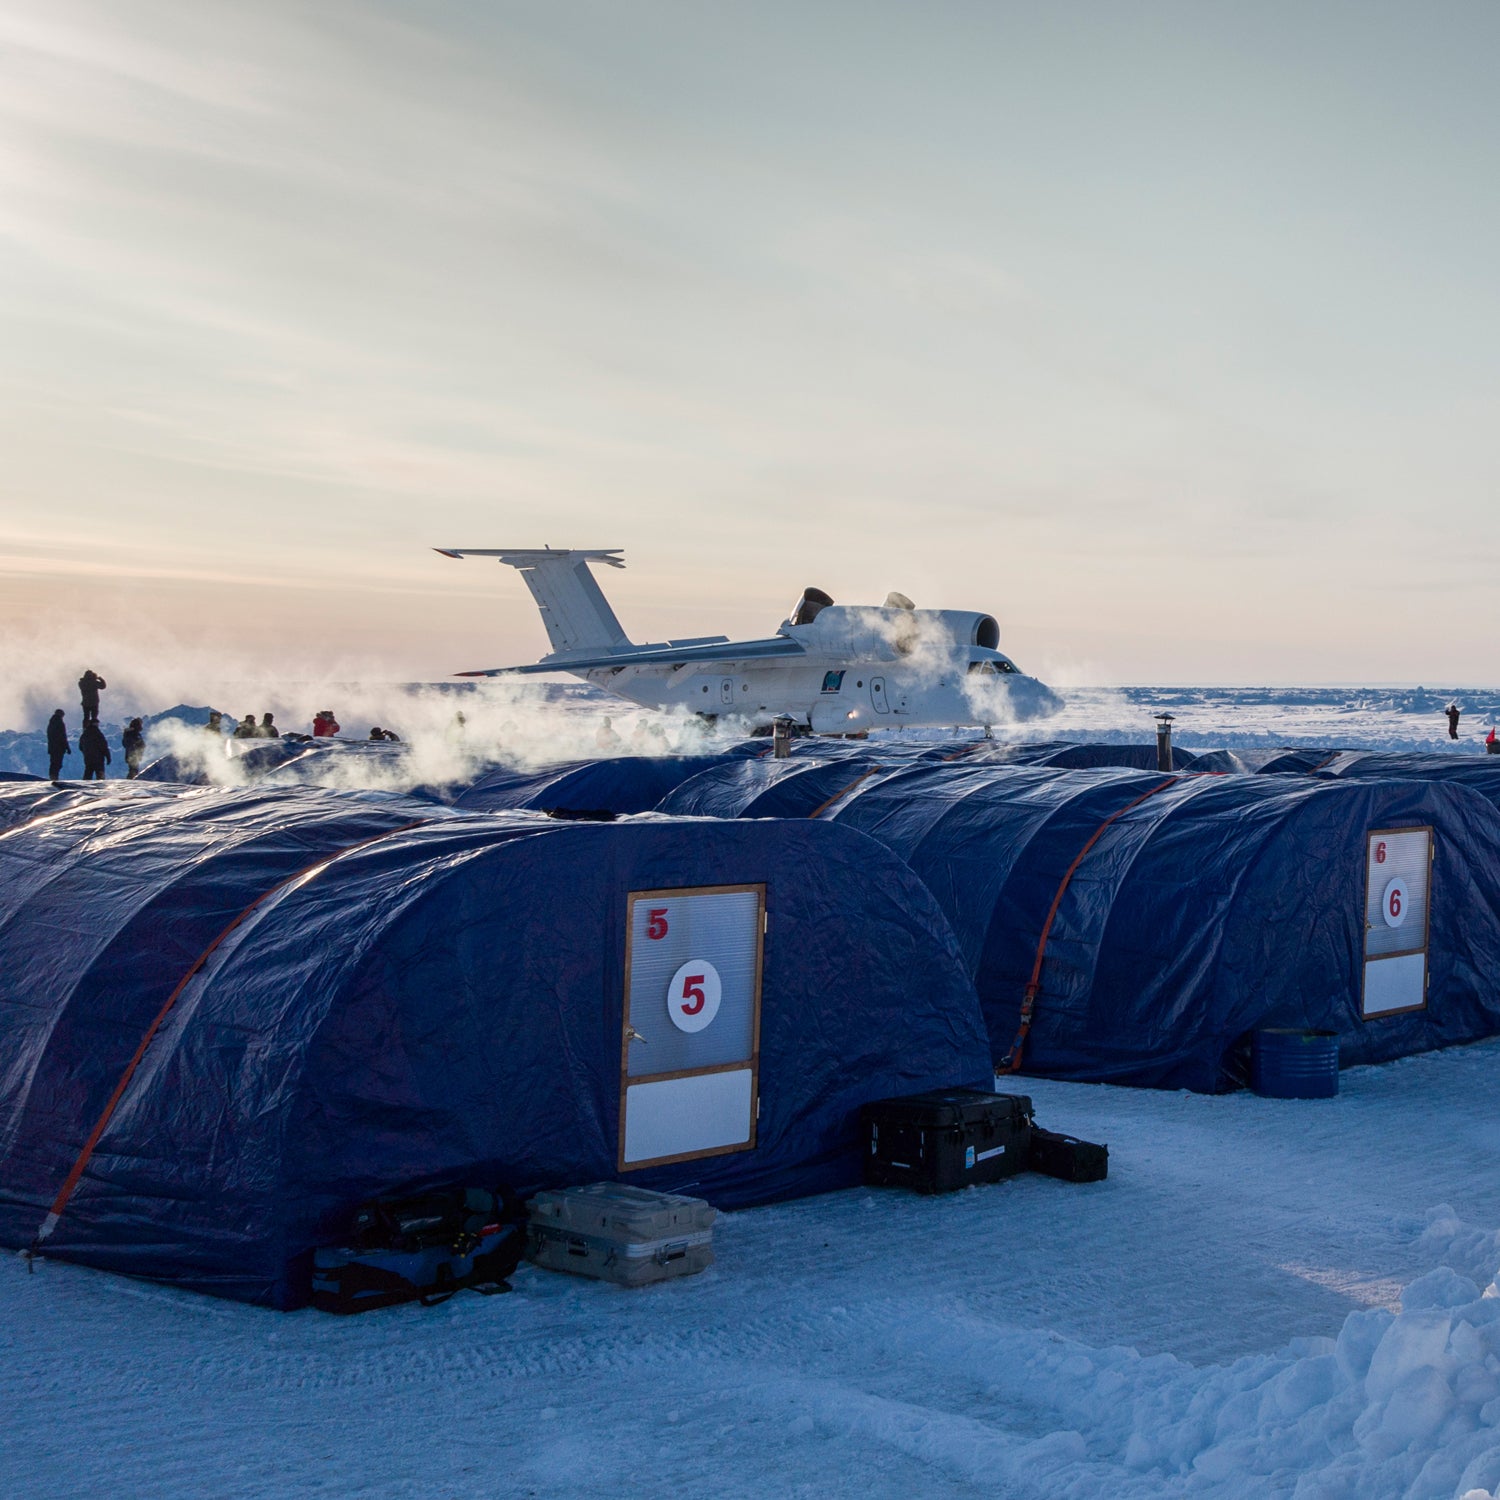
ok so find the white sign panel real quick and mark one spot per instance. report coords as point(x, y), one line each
point(690, 1116)
point(1398, 882)
point(692, 1023)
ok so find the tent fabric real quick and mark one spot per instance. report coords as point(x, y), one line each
point(1264, 762)
point(618, 784)
point(1219, 905)
point(1480, 773)
point(1065, 755)
point(440, 1000)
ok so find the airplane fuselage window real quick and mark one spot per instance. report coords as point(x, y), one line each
point(832, 681)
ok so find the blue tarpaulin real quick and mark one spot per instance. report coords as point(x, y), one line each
point(411, 996)
point(1219, 905)
point(1480, 773)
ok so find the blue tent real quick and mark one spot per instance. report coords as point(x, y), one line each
point(618, 784)
point(358, 996)
point(1065, 755)
point(1210, 906)
point(1288, 759)
point(1480, 773)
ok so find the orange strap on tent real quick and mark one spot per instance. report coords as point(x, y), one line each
point(102, 1124)
point(838, 796)
point(1011, 1062)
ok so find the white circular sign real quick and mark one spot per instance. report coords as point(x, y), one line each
point(1393, 903)
point(693, 995)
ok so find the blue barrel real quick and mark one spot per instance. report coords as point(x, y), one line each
point(1289, 1064)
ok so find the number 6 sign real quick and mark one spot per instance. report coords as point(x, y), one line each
point(693, 995)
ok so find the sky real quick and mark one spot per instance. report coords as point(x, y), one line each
point(1166, 333)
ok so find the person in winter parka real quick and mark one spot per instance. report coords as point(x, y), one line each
point(90, 685)
point(1453, 711)
point(133, 743)
point(266, 729)
point(94, 749)
point(324, 723)
point(57, 744)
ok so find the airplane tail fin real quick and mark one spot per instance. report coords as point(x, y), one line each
point(577, 615)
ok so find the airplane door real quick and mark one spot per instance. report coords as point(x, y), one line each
point(877, 695)
point(726, 692)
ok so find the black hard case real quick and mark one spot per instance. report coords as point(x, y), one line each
point(1067, 1157)
point(947, 1139)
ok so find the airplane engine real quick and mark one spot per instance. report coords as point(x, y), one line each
point(963, 627)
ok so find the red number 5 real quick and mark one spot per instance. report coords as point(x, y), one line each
point(656, 923)
point(692, 991)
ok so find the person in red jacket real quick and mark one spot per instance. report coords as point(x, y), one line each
point(324, 723)
point(1491, 744)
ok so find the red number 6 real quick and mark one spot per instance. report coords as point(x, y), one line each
point(692, 990)
point(1395, 903)
point(1380, 852)
point(656, 923)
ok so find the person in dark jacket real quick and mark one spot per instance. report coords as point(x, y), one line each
point(1453, 711)
point(215, 723)
point(94, 749)
point(57, 744)
point(90, 685)
point(245, 729)
point(133, 743)
point(266, 729)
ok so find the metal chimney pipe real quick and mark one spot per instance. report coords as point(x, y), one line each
point(1164, 742)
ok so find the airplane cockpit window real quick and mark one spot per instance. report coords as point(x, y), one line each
point(832, 681)
point(992, 668)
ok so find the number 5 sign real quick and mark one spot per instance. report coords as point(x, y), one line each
point(693, 995)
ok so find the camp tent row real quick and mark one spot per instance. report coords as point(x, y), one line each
point(305, 999)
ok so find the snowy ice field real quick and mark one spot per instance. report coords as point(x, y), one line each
point(1266, 1298)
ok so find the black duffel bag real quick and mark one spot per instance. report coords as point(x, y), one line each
point(421, 1249)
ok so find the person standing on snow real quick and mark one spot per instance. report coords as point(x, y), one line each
point(266, 729)
point(133, 743)
point(90, 685)
point(325, 726)
point(57, 744)
point(94, 749)
point(1453, 713)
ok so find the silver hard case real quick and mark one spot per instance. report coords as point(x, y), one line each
point(615, 1232)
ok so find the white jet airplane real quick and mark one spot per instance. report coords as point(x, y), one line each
point(836, 669)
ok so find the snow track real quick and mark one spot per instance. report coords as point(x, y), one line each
point(1219, 1318)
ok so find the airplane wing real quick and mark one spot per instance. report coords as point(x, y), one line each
point(665, 656)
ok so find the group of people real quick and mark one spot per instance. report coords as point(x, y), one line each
point(92, 745)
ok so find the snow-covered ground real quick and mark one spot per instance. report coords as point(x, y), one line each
point(1225, 1316)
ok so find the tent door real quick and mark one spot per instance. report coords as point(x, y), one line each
point(877, 695)
point(690, 1046)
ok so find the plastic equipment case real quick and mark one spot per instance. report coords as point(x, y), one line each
point(618, 1233)
point(946, 1139)
point(1067, 1157)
